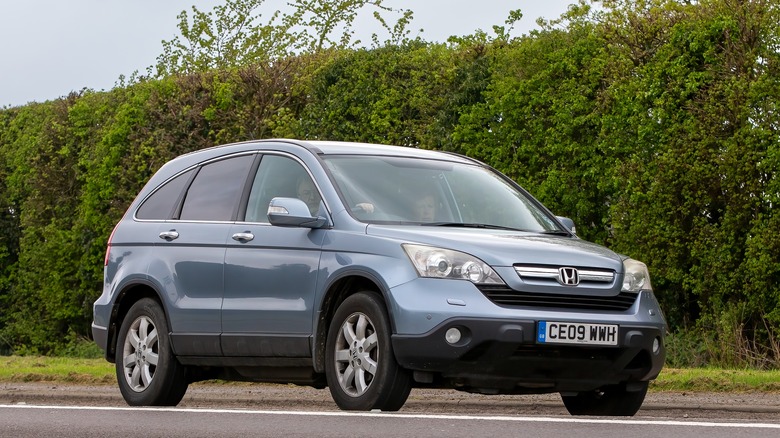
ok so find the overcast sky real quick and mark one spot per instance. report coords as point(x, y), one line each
point(49, 48)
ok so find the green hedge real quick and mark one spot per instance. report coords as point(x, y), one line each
point(654, 125)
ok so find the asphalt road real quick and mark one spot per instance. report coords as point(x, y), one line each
point(64, 421)
point(41, 410)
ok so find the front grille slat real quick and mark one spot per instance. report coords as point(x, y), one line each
point(505, 296)
point(551, 274)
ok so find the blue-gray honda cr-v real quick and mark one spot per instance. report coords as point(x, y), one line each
point(368, 269)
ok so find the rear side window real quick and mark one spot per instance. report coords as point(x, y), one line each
point(215, 193)
point(161, 204)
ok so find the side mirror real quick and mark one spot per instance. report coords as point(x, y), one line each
point(568, 223)
point(292, 212)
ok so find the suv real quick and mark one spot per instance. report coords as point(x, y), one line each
point(368, 269)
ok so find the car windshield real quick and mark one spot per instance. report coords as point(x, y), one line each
point(404, 190)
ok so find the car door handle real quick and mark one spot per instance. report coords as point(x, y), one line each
point(243, 237)
point(169, 235)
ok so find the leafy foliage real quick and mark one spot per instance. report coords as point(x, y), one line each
point(235, 35)
point(386, 95)
point(694, 191)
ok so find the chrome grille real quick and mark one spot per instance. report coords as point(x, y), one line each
point(552, 274)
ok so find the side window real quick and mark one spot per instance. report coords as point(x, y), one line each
point(162, 202)
point(216, 190)
point(279, 176)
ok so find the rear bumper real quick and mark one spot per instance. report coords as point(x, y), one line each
point(503, 356)
point(100, 335)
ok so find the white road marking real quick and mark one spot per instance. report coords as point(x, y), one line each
point(379, 414)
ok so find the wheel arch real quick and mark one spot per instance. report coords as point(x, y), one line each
point(335, 294)
point(129, 295)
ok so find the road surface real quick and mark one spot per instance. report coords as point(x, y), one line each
point(237, 409)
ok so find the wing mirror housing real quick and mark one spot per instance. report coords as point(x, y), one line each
point(568, 223)
point(292, 212)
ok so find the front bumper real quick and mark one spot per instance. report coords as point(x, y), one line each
point(501, 355)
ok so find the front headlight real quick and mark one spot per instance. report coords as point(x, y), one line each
point(435, 262)
point(636, 277)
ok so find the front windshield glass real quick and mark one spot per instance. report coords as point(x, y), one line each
point(380, 189)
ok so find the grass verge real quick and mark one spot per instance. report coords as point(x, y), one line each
point(717, 380)
point(56, 370)
point(98, 371)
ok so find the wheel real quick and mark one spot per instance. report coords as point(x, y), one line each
point(146, 369)
point(610, 400)
point(360, 366)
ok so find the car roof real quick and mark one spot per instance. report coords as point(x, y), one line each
point(354, 148)
point(320, 147)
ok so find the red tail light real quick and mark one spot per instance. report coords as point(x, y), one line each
point(108, 245)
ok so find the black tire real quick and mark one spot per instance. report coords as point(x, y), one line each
point(146, 369)
point(364, 374)
point(613, 400)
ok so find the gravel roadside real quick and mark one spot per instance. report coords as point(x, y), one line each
point(684, 405)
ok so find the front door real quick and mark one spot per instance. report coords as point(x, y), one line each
point(271, 272)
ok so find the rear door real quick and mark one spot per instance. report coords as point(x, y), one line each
point(189, 258)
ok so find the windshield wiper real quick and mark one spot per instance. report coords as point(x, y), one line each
point(556, 233)
point(471, 225)
point(494, 227)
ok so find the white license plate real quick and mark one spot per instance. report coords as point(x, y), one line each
point(551, 332)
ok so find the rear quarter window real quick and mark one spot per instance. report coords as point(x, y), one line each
point(216, 190)
point(161, 204)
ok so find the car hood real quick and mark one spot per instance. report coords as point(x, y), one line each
point(506, 248)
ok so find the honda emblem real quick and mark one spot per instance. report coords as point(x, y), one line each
point(568, 276)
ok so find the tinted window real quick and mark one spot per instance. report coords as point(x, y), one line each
point(162, 202)
point(216, 190)
point(280, 176)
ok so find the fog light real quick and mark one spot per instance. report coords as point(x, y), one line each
point(656, 345)
point(452, 336)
